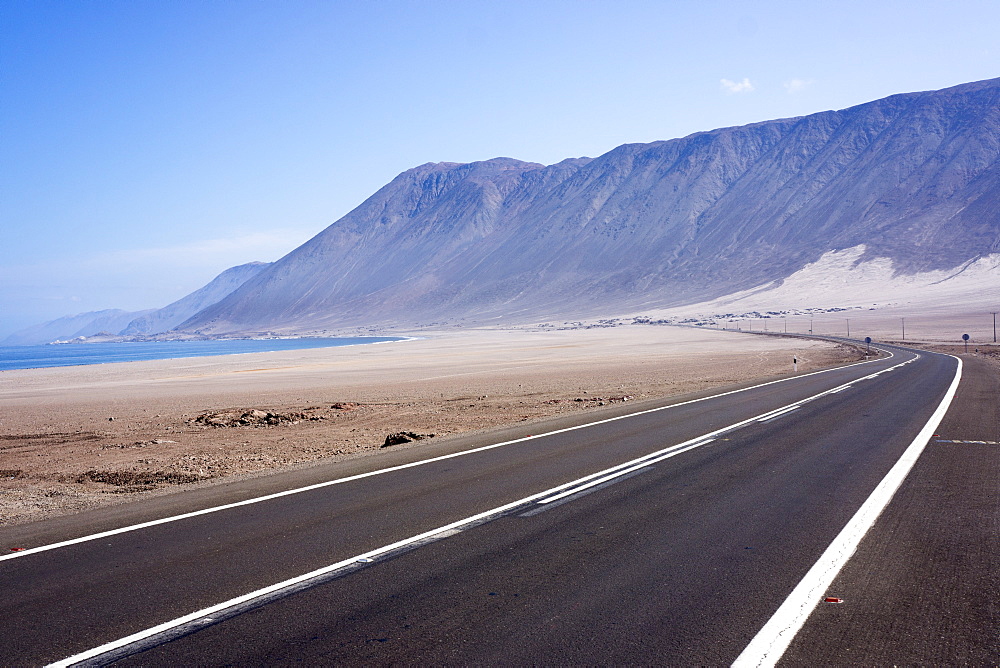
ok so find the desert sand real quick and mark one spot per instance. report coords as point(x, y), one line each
point(79, 437)
point(842, 291)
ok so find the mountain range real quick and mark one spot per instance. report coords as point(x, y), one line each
point(913, 179)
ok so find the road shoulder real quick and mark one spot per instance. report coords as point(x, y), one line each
point(921, 587)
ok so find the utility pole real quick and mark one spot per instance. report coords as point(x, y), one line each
point(786, 324)
point(848, 328)
point(994, 326)
point(904, 328)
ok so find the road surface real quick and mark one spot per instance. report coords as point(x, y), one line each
point(668, 533)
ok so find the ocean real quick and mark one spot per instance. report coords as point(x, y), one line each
point(72, 354)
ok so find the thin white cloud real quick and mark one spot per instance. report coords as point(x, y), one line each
point(796, 85)
point(737, 86)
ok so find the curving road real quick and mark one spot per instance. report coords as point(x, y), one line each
point(658, 533)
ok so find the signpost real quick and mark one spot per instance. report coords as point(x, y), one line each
point(868, 345)
point(965, 337)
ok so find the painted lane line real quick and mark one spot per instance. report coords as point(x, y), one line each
point(774, 416)
point(778, 411)
point(539, 508)
point(770, 643)
point(970, 442)
point(391, 469)
point(148, 637)
point(676, 450)
point(779, 415)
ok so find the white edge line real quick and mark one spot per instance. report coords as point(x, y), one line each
point(327, 483)
point(635, 464)
point(770, 643)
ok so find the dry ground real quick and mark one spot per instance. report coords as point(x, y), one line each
point(80, 437)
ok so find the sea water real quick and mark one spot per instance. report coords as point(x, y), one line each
point(72, 354)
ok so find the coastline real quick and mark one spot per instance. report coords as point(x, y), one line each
point(85, 353)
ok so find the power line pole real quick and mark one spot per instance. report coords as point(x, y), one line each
point(904, 328)
point(994, 326)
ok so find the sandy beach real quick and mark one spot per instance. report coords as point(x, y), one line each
point(79, 437)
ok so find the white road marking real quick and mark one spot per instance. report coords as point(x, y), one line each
point(770, 643)
point(644, 462)
point(786, 411)
point(552, 494)
point(539, 508)
point(338, 481)
point(970, 442)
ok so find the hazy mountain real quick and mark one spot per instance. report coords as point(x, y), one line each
point(72, 327)
point(117, 322)
point(914, 178)
point(168, 317)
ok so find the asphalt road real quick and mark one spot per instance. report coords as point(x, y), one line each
point(679, 560)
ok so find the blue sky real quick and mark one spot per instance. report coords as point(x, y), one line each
point(147, 146)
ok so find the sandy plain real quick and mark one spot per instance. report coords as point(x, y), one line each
point(74, 438)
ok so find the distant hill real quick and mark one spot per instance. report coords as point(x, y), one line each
point(913, 178)
point(72, 327)
point(117, 322)
point(168, 317)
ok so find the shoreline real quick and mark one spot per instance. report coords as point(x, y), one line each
point(176, 355)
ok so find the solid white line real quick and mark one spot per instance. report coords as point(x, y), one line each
point(785, 411)
point(770, 643)
point(338, 481)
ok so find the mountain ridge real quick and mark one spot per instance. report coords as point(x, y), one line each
point(914, 177)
